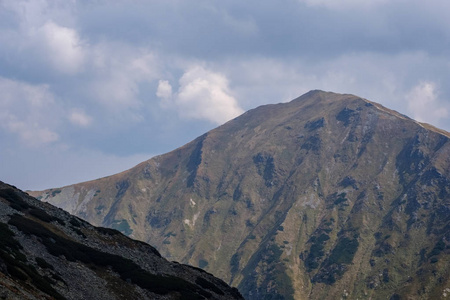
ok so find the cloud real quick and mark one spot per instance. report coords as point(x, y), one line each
point(32, 134)
point(62, 47)
point(41, 34)
point(164, 91)
point(70, 65)
point(119, 71)
point(80, 118)
point(384, 78)
point(15, 92)
point(26, 111)
point(423, 103)
point(202, 95)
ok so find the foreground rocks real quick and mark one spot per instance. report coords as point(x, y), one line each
point(45, 253)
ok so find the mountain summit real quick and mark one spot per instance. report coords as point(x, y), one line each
point(324, 197)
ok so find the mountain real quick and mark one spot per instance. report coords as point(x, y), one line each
point(328, 196)
point(45, 253)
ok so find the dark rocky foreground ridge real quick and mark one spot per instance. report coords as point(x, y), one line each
point(328, 196)
point(45, 253)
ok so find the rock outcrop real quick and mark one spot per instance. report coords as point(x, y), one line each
point(45, 253)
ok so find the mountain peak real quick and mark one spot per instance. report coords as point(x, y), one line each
point(327, 97)
point(298, 200)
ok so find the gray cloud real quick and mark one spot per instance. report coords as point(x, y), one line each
point(24, 112)
point(110, 81)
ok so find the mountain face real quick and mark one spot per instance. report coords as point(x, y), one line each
point(45, 253)
point(328, 196)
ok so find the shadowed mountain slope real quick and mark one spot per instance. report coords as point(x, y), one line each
point(324, 197)
point(45, 253)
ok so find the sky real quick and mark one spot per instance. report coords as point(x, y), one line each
point(89, 88)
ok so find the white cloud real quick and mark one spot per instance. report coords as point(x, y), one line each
point(164, 90)
point(80, 118)
point(41, 34)
point(202, 95)
point(43, 30)
point(26, 111)
point(63, 46)
point(13, 92)
point(31, 134)
point(423, 103)
point(119, 71)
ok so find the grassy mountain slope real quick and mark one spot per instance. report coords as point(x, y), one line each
point(45, 253)
point(324, 197)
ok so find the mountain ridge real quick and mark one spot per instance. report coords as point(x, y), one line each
point(45, 253)
point(292, 200)
point(377, 105)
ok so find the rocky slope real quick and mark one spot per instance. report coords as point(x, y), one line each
point(325, 197)
point(45, 253)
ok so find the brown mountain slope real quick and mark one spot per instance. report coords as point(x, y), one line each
point(45, 253)
point(324, 197)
